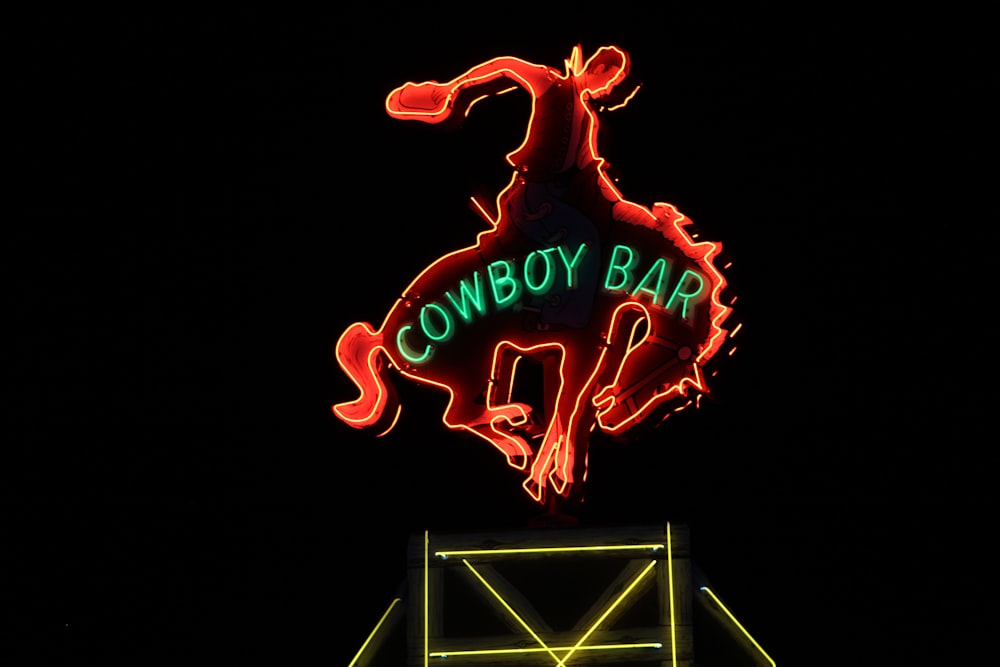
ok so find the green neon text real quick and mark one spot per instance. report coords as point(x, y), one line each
point(538, 274)
point(407, 351)
point(620, 278)
point(501, 284)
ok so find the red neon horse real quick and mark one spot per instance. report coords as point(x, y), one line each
point(615, 300)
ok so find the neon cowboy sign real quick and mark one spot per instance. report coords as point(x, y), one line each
point(617, 302)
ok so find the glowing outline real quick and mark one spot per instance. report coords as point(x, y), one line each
point(543, 647)
point(678, 389)
point(374, 632)
point(579, 646)
point(501, 651)
point(539, 550)
point(738, 624)
point(427, 630)
point(628, 589)
point(551, 466)
point(670, 581)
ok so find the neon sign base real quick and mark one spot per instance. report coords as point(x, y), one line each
point(563, 596)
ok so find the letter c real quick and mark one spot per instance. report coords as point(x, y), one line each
point(407, 351)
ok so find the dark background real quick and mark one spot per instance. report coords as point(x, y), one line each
point(209, 199)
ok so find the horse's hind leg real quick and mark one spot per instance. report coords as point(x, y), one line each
point(561, 457)
point(509, 362)
point(471, 408)
point(360, 354)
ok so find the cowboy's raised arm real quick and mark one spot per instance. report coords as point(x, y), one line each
point(433, 102)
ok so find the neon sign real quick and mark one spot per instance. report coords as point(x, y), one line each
point(616, 301)
point(646, 566)
point(437, 320)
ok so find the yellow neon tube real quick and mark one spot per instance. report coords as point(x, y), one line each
point(738, 624)
point(609, 547)
point(509, 608)
point(607, 612)
point(374, 632)
point(427, 633)
point(594, 647)
point(670, 580)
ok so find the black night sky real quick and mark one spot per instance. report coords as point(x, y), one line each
point(209, 200)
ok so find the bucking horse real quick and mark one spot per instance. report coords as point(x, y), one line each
point(616, 302)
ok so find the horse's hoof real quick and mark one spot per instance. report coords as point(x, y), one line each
point(534, 489)
point(520, 462)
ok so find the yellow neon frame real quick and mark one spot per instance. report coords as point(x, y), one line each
point(580, 645)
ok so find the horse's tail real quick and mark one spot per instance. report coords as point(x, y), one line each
point(360, 353)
